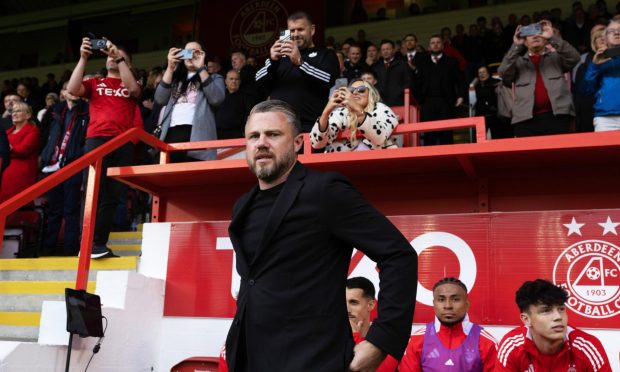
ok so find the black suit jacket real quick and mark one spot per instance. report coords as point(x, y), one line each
point(391, 82)
point(445, 73)
point(291, 305)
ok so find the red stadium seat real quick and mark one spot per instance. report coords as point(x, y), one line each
point(202, 364)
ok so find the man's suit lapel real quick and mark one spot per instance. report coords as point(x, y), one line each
point(237, 223)
point(285, 200)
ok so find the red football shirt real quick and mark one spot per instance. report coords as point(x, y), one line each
point(112, 109)
point(581, 352)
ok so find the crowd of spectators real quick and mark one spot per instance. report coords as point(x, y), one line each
point(559, 79)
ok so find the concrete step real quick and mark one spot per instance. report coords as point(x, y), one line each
point(26, 283)
point(26, 302)
point(126, 243)
point(126, 249)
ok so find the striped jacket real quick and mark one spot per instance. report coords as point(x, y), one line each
point(305, 87)
point(518, 353)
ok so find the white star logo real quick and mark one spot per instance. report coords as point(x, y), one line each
point(574, 227)
point(609, 226)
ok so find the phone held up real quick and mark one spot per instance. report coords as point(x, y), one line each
point(185, 54)
point(97, 43)
point(285, 35)
point(531, 30)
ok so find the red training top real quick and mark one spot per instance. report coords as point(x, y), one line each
point(582, 351)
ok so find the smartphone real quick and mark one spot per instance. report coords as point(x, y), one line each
point(97, 43)
point(612, 52)
point(531, 30)
point(285, 35)
point(185, 54)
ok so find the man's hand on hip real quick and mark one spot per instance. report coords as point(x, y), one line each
point(366, 357)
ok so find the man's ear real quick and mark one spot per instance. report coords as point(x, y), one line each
point(312, 30)
point(298, 142)
point(371, 304)
point(525, 318)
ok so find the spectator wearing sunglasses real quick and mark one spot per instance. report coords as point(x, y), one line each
point(355, 110)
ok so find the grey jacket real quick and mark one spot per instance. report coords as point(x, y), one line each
point(517, 68)
point(203, 127)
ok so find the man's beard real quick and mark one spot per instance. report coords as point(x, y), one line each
point(451, 323)
point(273, 171)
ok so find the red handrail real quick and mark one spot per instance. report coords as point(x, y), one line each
point(92, 160)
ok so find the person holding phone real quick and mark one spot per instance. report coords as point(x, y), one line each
point(536, 64)
point(298, 72)
point(358, 110)
point(601, 81)
point(113, 108)
point(189, 92)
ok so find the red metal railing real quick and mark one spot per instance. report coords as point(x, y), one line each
point(93, 160)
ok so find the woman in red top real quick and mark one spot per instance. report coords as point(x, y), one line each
point(24, 147)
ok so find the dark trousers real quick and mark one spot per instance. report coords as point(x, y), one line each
point(542, 125)
point(64, 203)
point(500, 127)
point(436, 108)
point(179, 133)
point(109, 189)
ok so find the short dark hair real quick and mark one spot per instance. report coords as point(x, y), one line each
point(300, 15)
point(412, 35)
point(450, 280)
point(275, 105)
point(387, 41)
point(539, 292)
point(368, 289)
point(369, 72)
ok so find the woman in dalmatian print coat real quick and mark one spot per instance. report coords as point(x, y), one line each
point(352, 110)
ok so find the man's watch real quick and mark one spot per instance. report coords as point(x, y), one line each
point(119, 60)
point(203, 68)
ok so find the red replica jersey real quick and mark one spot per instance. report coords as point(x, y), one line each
point(582, 351)
point(451, 338)
point(112, 109)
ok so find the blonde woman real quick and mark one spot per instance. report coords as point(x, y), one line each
point(23, 138)
point(355, 110)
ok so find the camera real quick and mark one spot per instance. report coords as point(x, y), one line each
point(96, 44)
point(285, 35)
point(530, 30)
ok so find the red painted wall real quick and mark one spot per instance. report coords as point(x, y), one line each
point(493, 253)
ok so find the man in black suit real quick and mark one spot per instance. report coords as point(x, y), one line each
point(293, 236)
point(393, 75)
point(437, 87)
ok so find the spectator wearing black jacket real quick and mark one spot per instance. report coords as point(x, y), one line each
point(437, 87)
point(486, 104)
point(393, 75)
point(232, 114)
point(64, 145)
point(298, 72)
point(355, 66)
